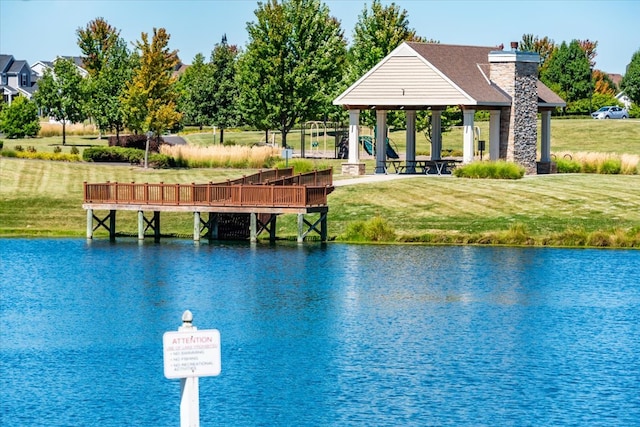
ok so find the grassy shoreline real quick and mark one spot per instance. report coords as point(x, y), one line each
point(44, 199)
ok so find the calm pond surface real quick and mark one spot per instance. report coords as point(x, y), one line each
point(321, 335)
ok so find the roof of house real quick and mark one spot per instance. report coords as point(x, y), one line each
point(420, 75)
point(5, 62)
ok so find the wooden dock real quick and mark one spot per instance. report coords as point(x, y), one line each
point(255, 200)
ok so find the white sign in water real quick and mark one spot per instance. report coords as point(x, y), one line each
point(194, 353)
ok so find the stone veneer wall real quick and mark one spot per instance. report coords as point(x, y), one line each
point(518, 125)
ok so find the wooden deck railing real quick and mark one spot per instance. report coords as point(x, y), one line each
point(205, 194)
point(303, 190)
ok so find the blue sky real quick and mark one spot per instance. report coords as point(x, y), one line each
point(43, 29)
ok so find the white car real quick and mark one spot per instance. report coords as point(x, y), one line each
point(611, 112)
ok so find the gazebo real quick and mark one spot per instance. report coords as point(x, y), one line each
point(421, 76)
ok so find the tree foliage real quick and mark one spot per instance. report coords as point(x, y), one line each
point(377, 33)
point(292, 65)
point(20, 119)
point(225, 67)
point(150, 96)
point(197, 93)
point(61, 94)
point(545, 47)
point(96, 41)
point(631, 81)
point(603, 83)
point(108, 62)
point(379, 30)
point(568, 73)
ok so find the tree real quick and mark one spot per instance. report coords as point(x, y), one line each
point(224, 62)
point(20, 119)
point(603, 83)
point(96, 41)
point(107, 59)
point(377, 32)
point(150, 97)
point(197, 95)
point(61, 94)
point(569, 73)
point(292, 65)
point(545, 47)
point(631, 81)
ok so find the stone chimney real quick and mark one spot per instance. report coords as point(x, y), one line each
point(516, 73)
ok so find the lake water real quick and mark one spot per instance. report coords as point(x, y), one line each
point(321, 335)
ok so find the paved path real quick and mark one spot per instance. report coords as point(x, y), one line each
point(367, 179)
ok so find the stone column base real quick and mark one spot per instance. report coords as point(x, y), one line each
point(353, 168)
point(544, 168)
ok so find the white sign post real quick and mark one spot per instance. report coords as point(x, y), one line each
point(190, 353)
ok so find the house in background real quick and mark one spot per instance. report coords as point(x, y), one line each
point(39, 67)
point(621, 96)
point(16, 79)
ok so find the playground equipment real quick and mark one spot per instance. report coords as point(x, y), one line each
point(368, 143)
point(321, 132)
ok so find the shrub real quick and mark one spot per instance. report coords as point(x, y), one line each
point(1, 145)
point(494, 170)
point(18, 148)
point(610, 167)
point(57, 149)
point(62, 157)
point(113, 154)
point(377, 229)
point(568, 166)
point(74, 150)
point(31, 149)
point(136, 141)
point(20, 119)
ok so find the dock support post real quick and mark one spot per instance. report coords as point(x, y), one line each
point(89, 223)
point(156, 221)
point(213, 226)
point(112, 225)
point(323, 227)
point(300, 228)
point(140, 225)
point(253, 227)
point(272, 230)
point(196, 226)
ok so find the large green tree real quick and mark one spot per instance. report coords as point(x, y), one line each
point(225, 66)
point(379, 30)
point(95, 41)
point(108, 61)
point(631, 81)
point(61, 94)
point(569, 73)
point(292, 65)
point(150, 96)
point(19, 119)
point(197, 94)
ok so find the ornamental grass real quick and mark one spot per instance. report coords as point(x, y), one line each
point(602, 163)
point(236, 156)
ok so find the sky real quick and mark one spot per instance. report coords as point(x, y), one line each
point(35, 30)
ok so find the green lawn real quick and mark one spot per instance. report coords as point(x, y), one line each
point(578, 135)
point(45, 198)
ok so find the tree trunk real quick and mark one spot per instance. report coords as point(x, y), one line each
point(222, 136)
point(284, 138)
point(64, 136)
